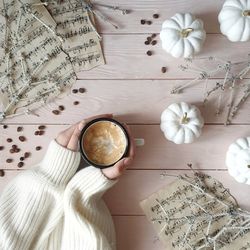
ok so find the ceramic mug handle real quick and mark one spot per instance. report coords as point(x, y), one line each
point(139, 142)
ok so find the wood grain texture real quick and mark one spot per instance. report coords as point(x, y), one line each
point(136, 101)
point(126, 58)
point(208, 152)
point(206, 10)
point(135, 233)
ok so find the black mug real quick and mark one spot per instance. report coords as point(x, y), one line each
point(87, 129)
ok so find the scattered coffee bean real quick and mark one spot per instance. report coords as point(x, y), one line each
point(41, 132)
point(9, 160)
point(154, 42)
point(164, 69)
point(2, 173)
point(5, 126)
point(74, 91)
point(156, 16)
point(9, 140)
point(153, 35)
point(149, 22)
point(147, 42)
point(149, 38)
point(17, 150)
point(20, 164)
point(149, 53)
point(1, 148)
point(61, 107)
point(37, 132)
point(56, 112)
point(22, 138)
point(19, 129)
point(76, 103)
point(21, 158)
point(12, 151)
point(143, 21)
point(41, 127)
point(27, 154)
point(82, 90)
point(38, 148)
point(14, 146)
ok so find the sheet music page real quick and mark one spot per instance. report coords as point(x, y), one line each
point(81, 41)
point(31, 52)
point(168, 203)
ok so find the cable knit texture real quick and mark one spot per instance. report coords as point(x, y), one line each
point(50, 207)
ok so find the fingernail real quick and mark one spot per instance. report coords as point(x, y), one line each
point(128, 161)
point(81, 126)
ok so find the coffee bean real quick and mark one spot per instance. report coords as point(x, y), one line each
point(61, 107)
point(74, 91)
point(149, 22)
point(82, 90)
point(37, 132)
point(149, 53)
point(41, 132)
point(20, 164)
point(1, 148)
point(14, 146)
point(41, 127)
point(27, 154)
point(147, 42)
point(56, 112)
point(9, 140)
point(76, 103)
point(19, 129)
point(149, 38)
point(5, 126)
point(2, 173)
point(156, 16)
point(154, 42)
point(38, 148)
point(153, 35)
point(22, 138)
point(21, 158)
point(143, 21)
point(9, 160)
point(164, 69)
point(12, 151)
point(17, 150)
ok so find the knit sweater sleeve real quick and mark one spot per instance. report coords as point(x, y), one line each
point(30, 205)
point(83, 206)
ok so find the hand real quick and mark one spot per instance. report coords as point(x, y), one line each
point(118, 169)
point(69, 137)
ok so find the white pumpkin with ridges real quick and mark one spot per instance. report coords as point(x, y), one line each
point(182, 35)
point(238, 160)
point(234, 20)
point(181, 123)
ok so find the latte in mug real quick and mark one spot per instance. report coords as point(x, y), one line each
point(104, 142)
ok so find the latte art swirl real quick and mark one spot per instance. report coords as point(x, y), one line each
point(104, 143)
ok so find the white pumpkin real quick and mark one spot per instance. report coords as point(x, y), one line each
point(181, 123)
point(238, 160)
point(234, 20)
point(182, 35)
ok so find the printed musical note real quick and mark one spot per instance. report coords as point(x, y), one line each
point(198, 213)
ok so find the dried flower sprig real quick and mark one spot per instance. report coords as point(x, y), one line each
point(230, 82)
point(206, 207)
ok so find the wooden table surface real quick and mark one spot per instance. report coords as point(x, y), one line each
point(132, 86)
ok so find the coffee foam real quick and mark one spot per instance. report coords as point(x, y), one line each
point(104, 143)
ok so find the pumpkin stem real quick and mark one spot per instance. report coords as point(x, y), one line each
point(246, 13)
point(186, 32)
point(185, 119)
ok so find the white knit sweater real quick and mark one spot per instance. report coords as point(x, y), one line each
point(50, 207)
